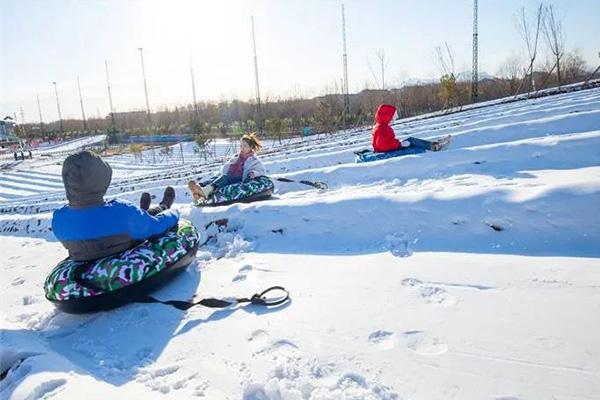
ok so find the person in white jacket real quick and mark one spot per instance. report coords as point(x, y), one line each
point(243, 167)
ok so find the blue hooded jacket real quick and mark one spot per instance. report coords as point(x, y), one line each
point(91, 228)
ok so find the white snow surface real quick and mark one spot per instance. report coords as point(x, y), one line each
point(471, 273)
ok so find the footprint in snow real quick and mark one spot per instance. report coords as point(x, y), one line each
point(430, 293)
point(242, 273)
point(263, 344)
point(165, 379)
point(293, 381)
point(47, 389)
point(18, 281)
point(383, 339)
point(279, 347)
point(507, 398)
point(28, 300)
point(399, 245)
point(258, 337)
point(423, 344)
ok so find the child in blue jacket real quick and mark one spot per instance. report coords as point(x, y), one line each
point(91, 228)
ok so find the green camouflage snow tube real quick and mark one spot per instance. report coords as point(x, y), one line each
point(260, 188)
point(80, 287)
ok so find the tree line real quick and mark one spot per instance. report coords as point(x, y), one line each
point(293, 116)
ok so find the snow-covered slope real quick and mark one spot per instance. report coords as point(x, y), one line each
point(470, 273)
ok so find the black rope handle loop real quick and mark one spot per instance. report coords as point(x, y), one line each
point(256, 299)
point(259, 299)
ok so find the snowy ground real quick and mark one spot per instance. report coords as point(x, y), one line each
point(470, 274)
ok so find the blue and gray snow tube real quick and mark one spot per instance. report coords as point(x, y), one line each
point(257, 189)
point(110, 282)
point(369, 155)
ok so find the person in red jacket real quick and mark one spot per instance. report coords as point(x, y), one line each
point(384, 138)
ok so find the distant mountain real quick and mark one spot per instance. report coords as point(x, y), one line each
point(464, 76)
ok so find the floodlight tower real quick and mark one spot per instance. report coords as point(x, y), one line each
point(81, 103)
point(58, 108)
point(345, 78)
point(193, 87)
point(474, 70)
point(141, 49)
point(258, 110)
point(40, 112)
point(110, 101)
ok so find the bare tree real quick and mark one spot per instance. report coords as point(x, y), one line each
point(510, 72)
point(574, 67)
point(380, 55)
point(593, 73)
point(531, 38)
point(445, 59)
point(449, 92)
point(555, 38)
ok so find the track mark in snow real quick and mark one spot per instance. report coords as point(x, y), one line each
point(431, 293)
point(423, 344)
point(281, 347)
point(399, 245)
point(293, 381)
point(165, 379)
point(507, 398)
point(46, 389)
point(259, 340)
point(18, 281)
point(200, 389)
point(242, 273)
point(28, 300)
point(383, 339)
point(264, 345)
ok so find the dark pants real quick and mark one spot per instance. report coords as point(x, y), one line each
point(156, 209)
point(225, 180)
point(420, 143)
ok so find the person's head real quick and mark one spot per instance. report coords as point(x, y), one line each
point(250, 143)
point(385, 113)
point(86, 178)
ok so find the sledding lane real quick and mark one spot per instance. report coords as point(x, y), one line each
point(469, 273)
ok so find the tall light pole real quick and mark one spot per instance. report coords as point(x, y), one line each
point(141, 49)
point(193, 88)
point(81, 104)
point(40, 112)
point(110, 101)
point(58, 108)
point(258, 111)
point(475, 66)
point(345, 65)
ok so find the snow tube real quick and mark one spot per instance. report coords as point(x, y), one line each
point(110, 282)
point(369, 155)
point(260, 188)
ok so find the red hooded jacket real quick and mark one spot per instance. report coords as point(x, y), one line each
point(383, 135)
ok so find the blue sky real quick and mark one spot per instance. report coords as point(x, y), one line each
point(298, 42)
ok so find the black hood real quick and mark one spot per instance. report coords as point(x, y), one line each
point(86, 178)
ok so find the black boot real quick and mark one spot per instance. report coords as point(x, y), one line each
point(145, 200)
point(168, 198)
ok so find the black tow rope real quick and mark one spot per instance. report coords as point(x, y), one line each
point(258, 299)
point(316, 184)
